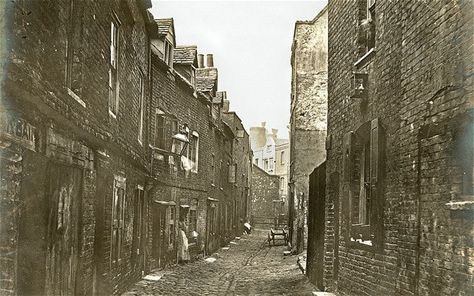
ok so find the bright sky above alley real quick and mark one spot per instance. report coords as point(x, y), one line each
point(251, 43)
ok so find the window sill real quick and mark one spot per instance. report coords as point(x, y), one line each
point(76, 97)
point(464, 204)
point(112, 114)
point(365, 58)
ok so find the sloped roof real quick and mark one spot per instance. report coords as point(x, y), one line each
point(206, 79)
point(185, 55)
point(166, 26)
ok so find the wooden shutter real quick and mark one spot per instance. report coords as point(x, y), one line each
point(347, 150)
point(377, 145)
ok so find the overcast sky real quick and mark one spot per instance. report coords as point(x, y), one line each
point(251, 43)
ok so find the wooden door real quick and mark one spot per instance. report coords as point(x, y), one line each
point(317, 195)
point(159, 235)
point(139, 231)
point(65, 189)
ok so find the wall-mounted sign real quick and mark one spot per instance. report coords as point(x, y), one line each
point(19, 131)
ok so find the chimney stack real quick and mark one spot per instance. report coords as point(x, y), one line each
point(200, 60)
point(210, 61)
point(264, 123)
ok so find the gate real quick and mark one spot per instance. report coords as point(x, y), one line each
point(316, 206)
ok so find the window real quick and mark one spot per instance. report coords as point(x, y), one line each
point(193, 151)
point(213, 169)
point(140, 108)
point(265, 164)
point(256, 161)
point(193, 217)
point(193, 77)
point(74, 57)
point(168, 54)
point(282, 157)
point(270, 164)
point(113, 67)
point(464, 154)
point(232, 173)
point(118, 211)
point(366, 36)
point(363, 179)
point(166, 126)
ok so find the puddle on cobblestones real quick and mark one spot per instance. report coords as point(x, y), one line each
point(210, 259)
point(225, 248)
point(233, 243)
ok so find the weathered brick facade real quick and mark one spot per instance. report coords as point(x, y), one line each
point(308, 117)
point(82, 183)
point(398, 209)
point(265, 203)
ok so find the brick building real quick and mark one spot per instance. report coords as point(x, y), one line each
point(398, 199)
point(265, 203)
point(308, 117)
point(95, 108)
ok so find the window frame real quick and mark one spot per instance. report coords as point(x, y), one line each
point(141, 107)
point(193, 151)
point(114, 61)
point(118, 215)
point(368, 234)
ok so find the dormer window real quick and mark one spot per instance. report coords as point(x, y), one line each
point(193, 76)
point(168, 58)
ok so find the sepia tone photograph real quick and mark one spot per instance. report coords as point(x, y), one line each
point(170, 147)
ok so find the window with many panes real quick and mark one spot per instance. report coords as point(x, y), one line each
point(118, 212)
point(141, 107)
point(213, 169)
point(74, 56)
point(193, 151)
point(165, 127)
point(366, 34)
point(232, 172)
point(363, 178)
point(113, 66)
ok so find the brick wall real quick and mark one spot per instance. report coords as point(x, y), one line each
point(265, 189)
point(417, 77)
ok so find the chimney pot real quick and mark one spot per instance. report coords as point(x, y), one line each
point(264, 123)
point(210, 60)
point(200, 60)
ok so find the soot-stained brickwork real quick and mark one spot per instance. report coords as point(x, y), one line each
point(264, 198)
point(85, 192)
point(398, 195)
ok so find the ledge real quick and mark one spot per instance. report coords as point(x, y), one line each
point(461, 205)
point(365, 58)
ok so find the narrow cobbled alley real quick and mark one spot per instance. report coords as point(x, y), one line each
point(248, 266)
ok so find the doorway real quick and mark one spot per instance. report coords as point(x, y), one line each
point(316, 230)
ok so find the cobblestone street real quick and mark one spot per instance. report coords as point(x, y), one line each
point(248, 267)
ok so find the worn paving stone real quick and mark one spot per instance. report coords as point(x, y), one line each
point(249, 268)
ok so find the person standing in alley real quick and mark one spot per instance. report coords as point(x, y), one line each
point(183, 251)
